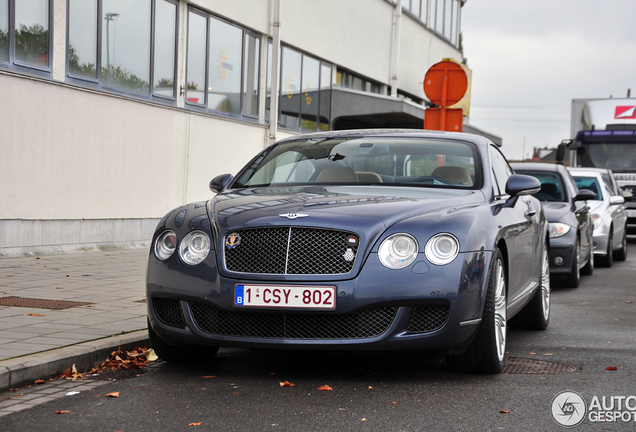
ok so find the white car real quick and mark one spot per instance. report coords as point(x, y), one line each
point(608, 213)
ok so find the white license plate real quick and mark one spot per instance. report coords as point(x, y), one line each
point(288, 296)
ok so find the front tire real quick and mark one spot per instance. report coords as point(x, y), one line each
point(621, 254)
point(573, 279)
point(536, 314)
point(588, 269)
point(486, 352)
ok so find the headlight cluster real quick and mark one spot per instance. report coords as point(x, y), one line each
point(400, 250)
point(558, 229)
point(597, 219)
point(194, 247)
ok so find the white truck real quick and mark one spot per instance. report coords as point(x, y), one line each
point(604, 132)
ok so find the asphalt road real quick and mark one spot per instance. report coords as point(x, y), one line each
point(592, 328)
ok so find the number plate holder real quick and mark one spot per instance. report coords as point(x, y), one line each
point(285, 296)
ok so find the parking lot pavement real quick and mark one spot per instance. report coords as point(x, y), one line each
point(60, 310)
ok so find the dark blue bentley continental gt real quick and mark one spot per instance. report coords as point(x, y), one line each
point(356, 240)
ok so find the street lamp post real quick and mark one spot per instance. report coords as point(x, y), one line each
point(110, 16)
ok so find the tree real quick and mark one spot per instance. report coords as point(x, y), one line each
point(32, 44)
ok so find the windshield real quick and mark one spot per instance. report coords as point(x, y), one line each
point(617, 157)
point(551, 185)
point(590, 183)
point(379, 161)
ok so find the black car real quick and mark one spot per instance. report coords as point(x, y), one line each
point(356, 240)
point(571, 225)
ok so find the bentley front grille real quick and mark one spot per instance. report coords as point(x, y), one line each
point(291, 250)
point(288, 325)
point(426, 319)
point(169, 312)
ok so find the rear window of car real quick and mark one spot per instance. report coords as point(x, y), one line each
point(384, 161)
point(552, 188)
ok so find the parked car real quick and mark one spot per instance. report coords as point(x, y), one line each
point(608, 213)
point(356, 240)
point(571, 226)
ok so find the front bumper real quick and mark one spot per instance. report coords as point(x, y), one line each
point(562, 251)
point(201, 308)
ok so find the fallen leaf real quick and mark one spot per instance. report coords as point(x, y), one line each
point(39, 381)
point(37, 257)
point(611, 368)
point(628, 301)
point(394, 403)
point(195, 424)
point(272, 373)
point(532, 353)
point(113, 394)
point(60, 287)
point(363, 419)
point(370, 387)
point(68, 275)
point(34, 314)
point(209, 376)
point(288, 384)
point(13, 390)
point(62, 412)
point(504, 412)
point(325, 388)
point(237, 393)
point(548, 354)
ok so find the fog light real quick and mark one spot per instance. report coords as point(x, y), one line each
point(558, 260)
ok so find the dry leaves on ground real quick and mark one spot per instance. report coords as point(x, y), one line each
point(325, 388)
point(137, 358)
point(287, 384)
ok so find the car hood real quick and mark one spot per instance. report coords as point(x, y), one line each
point(597, 206)
point(357, 208)
point(554, 211)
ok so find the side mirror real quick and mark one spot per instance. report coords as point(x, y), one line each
point(218, 183)
point(626, 194)
point(520, 184)
point(584, 195)
point(560, 154)
point(575, 145)
point(617, 200)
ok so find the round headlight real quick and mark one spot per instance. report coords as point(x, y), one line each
point(597, 219)
point(165, 245)
point(194, 247)
point(558, 229)
point(398, 251)
point(442, 249)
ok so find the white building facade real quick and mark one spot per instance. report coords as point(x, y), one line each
point(116, 111)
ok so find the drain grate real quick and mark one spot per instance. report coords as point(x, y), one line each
point(525, 366)
point(40, 303)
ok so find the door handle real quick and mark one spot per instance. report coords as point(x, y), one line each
point(531, 213)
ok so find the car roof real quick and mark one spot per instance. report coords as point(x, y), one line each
point(411, 133)
point(590, 169)
point(537, 166)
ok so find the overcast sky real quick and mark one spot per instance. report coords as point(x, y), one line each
point(531, 58)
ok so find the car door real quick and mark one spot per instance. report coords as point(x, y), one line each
point(523, 232)
point(617, 211)
point(582, 212)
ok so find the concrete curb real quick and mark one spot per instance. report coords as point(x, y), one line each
point(21, 371)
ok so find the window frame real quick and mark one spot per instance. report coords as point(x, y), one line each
point(97, 82)
point(203, 107)
point(17, 66)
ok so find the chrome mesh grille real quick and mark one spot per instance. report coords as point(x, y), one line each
point(169, 312)
point(288, 325)
point(291, 250)
point(426, 319)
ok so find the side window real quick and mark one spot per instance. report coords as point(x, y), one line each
point(501, 170)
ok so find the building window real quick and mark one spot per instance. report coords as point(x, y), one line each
point(126, 45)
point(349, 80)
point(25, 41)
point(224, 60)
point(305, 91)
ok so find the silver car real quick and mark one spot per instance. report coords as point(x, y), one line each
point(608, 213)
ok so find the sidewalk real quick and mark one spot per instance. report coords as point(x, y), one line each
point(60, 310)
